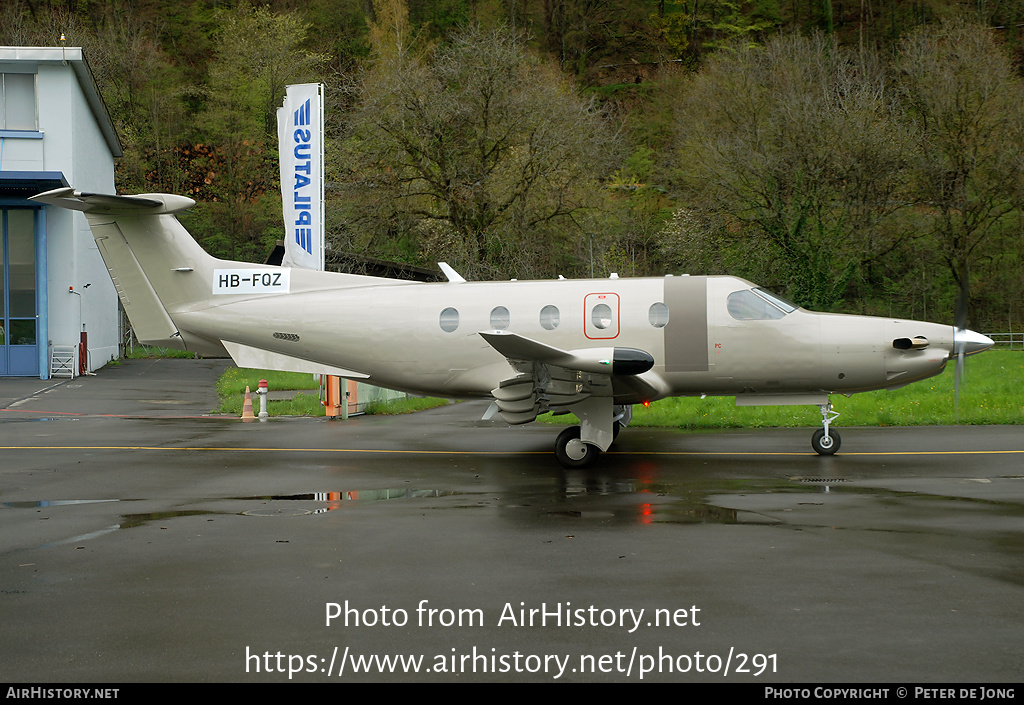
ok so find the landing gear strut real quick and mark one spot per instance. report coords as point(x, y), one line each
point(823, 441)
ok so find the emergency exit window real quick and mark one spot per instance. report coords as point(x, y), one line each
point(601, 320)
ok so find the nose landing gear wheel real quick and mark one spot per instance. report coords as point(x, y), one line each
point(825, 446)
point(572, 452)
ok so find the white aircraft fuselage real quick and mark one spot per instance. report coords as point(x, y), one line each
point(390, 334)
point(593, 347)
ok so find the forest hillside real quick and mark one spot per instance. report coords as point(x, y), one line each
point(858, 157)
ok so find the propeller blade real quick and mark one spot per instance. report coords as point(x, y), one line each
point(959, 337)
point(958, 373)
point(962, 299)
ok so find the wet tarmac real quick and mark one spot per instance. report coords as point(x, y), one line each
point(142, 539)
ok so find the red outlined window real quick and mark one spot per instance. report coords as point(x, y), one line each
point(601, 316)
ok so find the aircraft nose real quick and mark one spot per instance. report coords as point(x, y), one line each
point(970, 342)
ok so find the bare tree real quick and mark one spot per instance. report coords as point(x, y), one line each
point(967, 103)
point(798, 145)
point(477, 143)
point(258, 52)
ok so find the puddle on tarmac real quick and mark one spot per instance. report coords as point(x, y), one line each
point(55, 503)
point(274, 506)
point(610, 500)
point(579, 497)
point(350, 496)
point(133, 520)
point(334, 500)
point(37, 419)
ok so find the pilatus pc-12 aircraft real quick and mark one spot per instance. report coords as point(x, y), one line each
point(592, 347)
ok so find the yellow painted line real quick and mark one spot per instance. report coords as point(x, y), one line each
point(803, 454)
point(277, 450)
point(939, 452)
point(838, 455)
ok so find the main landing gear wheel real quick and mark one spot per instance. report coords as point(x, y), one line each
point(572, 452)
point(825, 446)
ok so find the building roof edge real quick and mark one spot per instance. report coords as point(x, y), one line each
point(75, 57)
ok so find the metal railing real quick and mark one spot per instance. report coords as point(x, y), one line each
point(1007, 341)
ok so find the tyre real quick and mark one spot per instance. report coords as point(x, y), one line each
point(821, 445)
point(568, 446)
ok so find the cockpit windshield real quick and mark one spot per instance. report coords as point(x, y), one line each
point(784, 304)
point(758, 305)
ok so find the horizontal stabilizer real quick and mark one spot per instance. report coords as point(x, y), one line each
point(144, 204)
point(248, 356)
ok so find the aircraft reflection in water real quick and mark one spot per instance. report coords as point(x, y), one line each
point(590, 347)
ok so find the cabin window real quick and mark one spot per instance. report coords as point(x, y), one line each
point(449, 320)
point(549, 317)
point(601, 316)
point(658, 315)
point(500, 318)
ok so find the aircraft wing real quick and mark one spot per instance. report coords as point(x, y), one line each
point(257, 358)
point(604, 360)
point(552, 379)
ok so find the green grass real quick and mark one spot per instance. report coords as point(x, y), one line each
point(144, 352)
point(235, 379)
point(406, 405)
point(302, 404)
point(231, 390)
point(992, 392)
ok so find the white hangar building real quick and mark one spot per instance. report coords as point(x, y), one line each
point(54, 131)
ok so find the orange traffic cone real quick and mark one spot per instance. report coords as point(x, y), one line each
point(247, 406)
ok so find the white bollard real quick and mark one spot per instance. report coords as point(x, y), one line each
point(262, 390)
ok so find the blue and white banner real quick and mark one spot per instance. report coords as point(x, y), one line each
point(300, 130)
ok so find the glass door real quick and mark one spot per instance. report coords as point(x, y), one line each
point(19, 353)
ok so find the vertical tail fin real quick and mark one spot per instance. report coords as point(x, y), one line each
point(155, 265)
